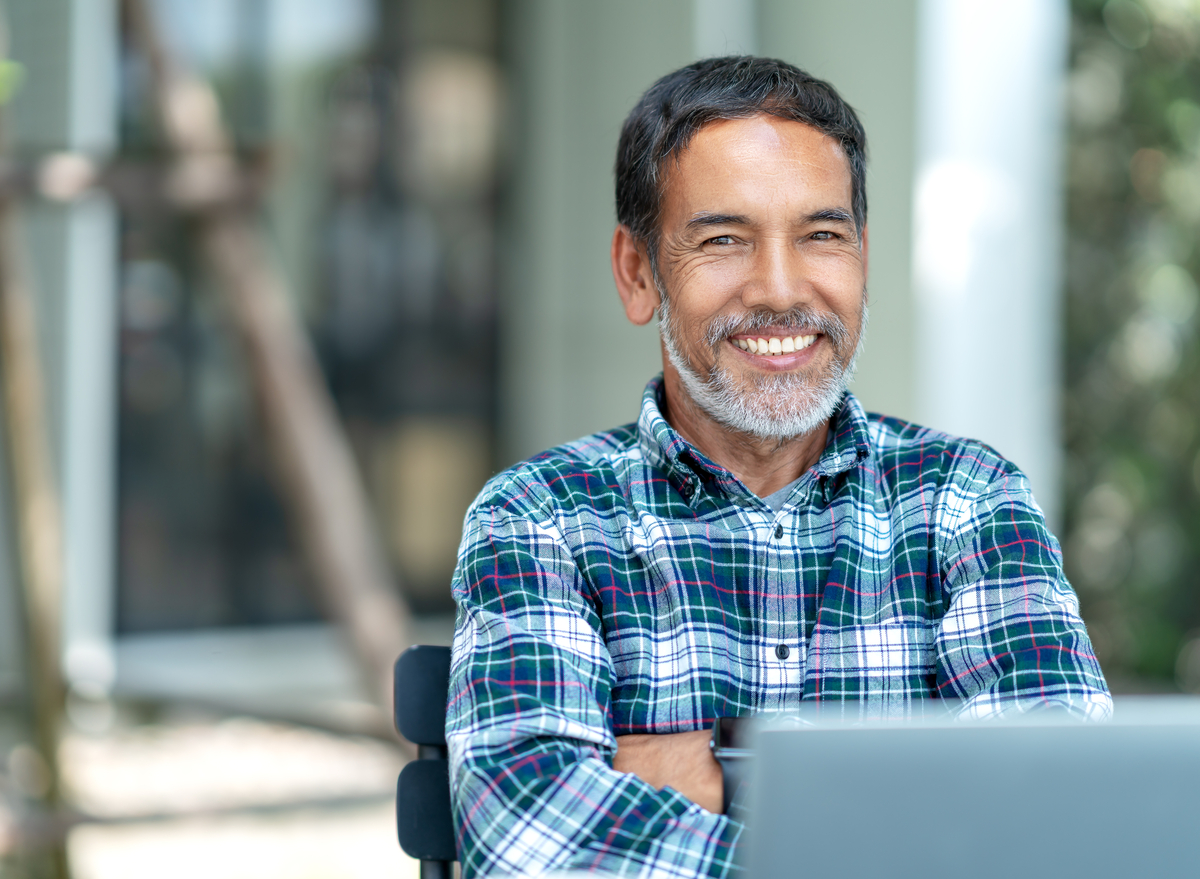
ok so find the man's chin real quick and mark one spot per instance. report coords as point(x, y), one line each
point(766, 422)
point(776, 407)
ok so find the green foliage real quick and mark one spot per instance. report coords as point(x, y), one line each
point(12, 76)
point(1132, 370)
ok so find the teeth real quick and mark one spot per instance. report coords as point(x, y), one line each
point(775, 345)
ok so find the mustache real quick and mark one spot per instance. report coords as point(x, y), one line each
point(793, 320)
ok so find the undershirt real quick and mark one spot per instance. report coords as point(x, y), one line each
point(776, 499)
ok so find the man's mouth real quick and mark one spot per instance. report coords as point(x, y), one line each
point(774, 345)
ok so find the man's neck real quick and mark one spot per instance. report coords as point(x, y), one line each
point(763, 465)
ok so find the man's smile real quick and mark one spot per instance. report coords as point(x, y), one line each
point(775, 346)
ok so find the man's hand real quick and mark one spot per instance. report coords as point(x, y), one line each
point(683, 761)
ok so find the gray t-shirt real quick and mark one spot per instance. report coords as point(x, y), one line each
point(776, 499)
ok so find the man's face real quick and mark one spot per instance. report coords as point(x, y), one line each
point(762, 275)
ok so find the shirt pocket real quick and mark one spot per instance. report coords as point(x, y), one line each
point(893, 660)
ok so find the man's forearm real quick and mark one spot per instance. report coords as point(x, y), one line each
point(682, 761)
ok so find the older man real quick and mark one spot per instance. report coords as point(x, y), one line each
point(755, 540)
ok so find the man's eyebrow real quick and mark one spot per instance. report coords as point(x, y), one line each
point(830, 215)
point(825, 215)
point(703, 220)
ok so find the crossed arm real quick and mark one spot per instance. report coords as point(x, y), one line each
point(683, 761)
point(539, 783)
point(538, 780)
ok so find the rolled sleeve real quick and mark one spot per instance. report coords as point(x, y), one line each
point(529, 724)
point(1011, 637)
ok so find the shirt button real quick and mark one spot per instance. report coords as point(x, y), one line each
point(778, 534)
point(782, 651)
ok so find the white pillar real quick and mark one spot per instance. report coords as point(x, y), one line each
point(988, 219)
point(69, 102)
point(89, 447)
point(90, 363)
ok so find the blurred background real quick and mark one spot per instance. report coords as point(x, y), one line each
point(429, 184)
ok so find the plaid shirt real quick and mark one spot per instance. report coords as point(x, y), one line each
point(625, 583)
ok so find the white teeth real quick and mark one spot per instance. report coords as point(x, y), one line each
point(775, 345)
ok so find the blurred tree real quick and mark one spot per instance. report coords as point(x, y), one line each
point(1132, 401)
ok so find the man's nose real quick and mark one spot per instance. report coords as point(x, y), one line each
point(777, 280)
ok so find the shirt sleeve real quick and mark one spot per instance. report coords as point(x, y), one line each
point(529, 725)
point(1011, 637)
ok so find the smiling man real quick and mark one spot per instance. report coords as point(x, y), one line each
point(755, 540)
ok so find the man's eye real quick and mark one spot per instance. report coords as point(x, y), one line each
point(822, 236)
point(720, 240)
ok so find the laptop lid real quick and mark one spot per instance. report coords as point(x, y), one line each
point(1038, 796)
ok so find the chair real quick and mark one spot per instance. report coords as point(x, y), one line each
point(421, 680)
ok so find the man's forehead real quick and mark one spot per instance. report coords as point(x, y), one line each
point(726, 130)
point(722, 144)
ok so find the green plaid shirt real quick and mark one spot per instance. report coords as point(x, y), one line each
point(625, 583)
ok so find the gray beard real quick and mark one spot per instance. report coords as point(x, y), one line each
point(776, 407)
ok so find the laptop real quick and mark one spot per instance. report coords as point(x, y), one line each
point(1038, 796)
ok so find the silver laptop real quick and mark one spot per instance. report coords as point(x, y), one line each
point(1041, 796)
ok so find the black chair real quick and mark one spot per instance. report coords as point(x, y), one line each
point(421, 680)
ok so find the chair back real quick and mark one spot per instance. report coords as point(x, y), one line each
point(421, 682)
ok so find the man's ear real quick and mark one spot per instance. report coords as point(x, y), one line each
point(635, 281)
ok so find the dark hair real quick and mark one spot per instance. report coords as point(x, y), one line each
point(676, 107)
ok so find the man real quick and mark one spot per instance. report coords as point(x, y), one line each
point(755, 540)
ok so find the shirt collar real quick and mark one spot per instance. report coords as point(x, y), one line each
point(687, 467)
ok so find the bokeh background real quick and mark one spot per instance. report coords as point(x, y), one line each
point(433, 179)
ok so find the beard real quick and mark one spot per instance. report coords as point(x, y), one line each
point(767, 406)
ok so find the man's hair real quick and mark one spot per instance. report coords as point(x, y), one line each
point(676, 107)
